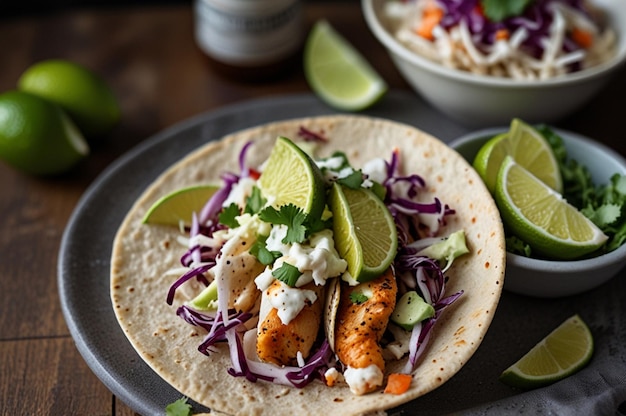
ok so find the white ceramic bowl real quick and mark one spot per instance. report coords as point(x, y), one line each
point(551, 279)
point(482, 101)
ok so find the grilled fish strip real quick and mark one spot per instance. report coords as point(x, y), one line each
point(360, 327)
point(280, 343)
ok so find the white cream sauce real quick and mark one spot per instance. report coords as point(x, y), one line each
point(363, 380)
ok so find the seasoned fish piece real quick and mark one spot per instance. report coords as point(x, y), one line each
point(243, 268)
point(280, 343)
point(360, 326)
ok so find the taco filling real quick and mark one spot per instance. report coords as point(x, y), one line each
point(376, 259)
point(266, 268)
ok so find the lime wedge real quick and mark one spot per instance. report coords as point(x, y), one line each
point(338, 73)
point(542, 217)
point(364, 231)
point(528, 147)
point(179, 205)
point(561, 353)
point(290, 176)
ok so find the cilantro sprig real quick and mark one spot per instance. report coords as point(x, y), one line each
point(254, 203)
point(287, 273)
point(355, 179)
point(260, 251)
point(178, 408)
point(299, 225)
point(498, 10)
point(228, 216)
point(358, 297)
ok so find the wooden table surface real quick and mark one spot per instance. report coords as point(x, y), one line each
point(149, 57)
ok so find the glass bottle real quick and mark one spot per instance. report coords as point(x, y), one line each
point(250, 40)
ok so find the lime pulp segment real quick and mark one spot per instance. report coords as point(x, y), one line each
point(529, 149)
point(542, 217)
point(364, 230)
point(291, 177)
point(179, 206)
point(338, 73)
point(564, 351)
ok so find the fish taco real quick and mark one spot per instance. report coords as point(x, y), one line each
point(342, 265)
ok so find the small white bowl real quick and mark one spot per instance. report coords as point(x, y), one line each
point(546, 278)
point(481, 101)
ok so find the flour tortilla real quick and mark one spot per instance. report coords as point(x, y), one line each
point(142, 254)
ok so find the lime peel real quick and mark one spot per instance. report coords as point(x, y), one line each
point(542, 217)
point(36, 136)
point(290, 176)
point(338, 73)
point(364, 231)
point(81, 92)
point(178, 206)
point(527, 146)
point(563, 352)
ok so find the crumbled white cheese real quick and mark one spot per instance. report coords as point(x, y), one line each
point(363, 380)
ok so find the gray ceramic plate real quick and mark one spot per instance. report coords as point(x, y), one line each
point(520, 322)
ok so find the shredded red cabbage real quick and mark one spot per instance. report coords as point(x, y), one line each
point(311, 136)
point(298, 377)
point(195, 272)
point(415, 272)
point(536, 20)
point(400, 198)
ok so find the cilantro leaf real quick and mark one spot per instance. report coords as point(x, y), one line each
point(263, 255)
point(604, 215)
point(353, 180)
point(228, 216)
point(358, 298)
point(497, 10)
point(287, 274)
point(179, 408)
point(315, 225)
point(291, 216)
point(517, 246)
point(254, 202)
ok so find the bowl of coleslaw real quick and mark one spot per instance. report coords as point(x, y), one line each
point(544, 278)
point(482, 72)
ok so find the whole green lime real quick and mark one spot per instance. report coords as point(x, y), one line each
point(82, 93)
point(36, 136)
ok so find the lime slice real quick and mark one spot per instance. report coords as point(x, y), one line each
point(338, 73)
point(36, 136)
point(364, 231)
point(83, 94)
point(291, 177)
point(528, 147)
point(179, 205)
point(561, 353)
point(542, 217)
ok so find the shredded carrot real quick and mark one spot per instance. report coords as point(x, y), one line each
point(430, 19)
point(398, 383)
point(502, 34)
point(582, 37)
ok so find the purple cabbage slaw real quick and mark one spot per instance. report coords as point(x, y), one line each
point(536, 19)
point(414, 272)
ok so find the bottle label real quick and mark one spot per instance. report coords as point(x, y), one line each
point(248, 32)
